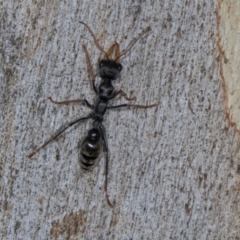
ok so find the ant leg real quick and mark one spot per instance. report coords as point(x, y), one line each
point(90, 69)
point(56, 135)
point(123, 94)
point(73, 101)
point(103, 132)
point(132, 105)
point(133, 43)
point(94, 38)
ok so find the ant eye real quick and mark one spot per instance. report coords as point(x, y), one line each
point(101, 64)
point(119, 67)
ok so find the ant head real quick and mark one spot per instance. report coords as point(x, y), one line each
point(109, 69)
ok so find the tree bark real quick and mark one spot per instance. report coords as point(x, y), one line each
point(173, 170)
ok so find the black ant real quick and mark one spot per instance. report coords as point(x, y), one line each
point(96, 140)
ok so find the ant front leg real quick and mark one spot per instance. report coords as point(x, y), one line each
point(73, 101)
point(123, 94)
point(90, 69)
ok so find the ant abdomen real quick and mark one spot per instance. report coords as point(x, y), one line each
point(91, 148)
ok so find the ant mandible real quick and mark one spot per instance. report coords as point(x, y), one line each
point(96, 141)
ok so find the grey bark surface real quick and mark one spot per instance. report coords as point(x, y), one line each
point(174, 169)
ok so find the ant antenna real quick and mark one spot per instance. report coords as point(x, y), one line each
point(94, 38)
point(118, 55)
point(148, 29)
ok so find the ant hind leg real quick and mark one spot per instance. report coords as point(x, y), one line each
point(132, 105)
point(103, 132)
point(57, 134)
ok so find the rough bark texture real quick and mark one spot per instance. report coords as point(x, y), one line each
point(174, 170)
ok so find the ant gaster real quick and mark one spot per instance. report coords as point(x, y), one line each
point(96, 140)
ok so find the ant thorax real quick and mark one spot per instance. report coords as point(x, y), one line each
point(105, 89)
